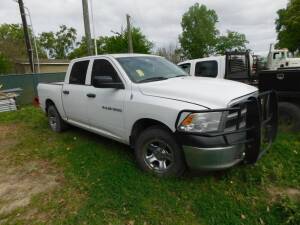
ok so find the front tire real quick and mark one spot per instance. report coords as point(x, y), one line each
point(157, 152)
point(55, 121)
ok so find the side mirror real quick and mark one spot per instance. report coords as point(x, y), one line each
point(106, 82)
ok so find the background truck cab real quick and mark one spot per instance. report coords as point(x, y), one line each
point(235, 65)
point(281, 59)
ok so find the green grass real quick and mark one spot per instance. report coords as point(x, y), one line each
point(102, 184)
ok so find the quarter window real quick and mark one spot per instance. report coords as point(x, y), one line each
point(78, 72)
point(186, 67)
point(206, 69)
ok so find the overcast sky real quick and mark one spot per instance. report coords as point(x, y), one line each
point(159, 19)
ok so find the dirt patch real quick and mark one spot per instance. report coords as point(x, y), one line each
point(278, 193)
point(19, 182)
point(19, 185)
point(8, 136)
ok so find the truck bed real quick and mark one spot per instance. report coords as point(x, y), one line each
point(51, 91)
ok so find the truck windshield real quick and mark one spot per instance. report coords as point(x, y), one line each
point(148, 68)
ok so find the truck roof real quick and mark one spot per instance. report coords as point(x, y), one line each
point(202, 59)
point(121, 55)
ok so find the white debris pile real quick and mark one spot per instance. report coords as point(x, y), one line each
point(8, 102)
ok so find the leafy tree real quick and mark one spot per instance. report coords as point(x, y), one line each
point(5, 65)
point(12, 41)
point(80, 50)
point(199, 35)
point(288, 26)
point(12, 45)
point(117, 43)
point(59, 44)
point(232, 41)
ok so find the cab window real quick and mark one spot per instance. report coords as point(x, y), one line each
point(78, 72)
point(102, 67)
point(278, 55)
point(206, 69)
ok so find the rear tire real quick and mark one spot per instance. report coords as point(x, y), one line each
point(157, 152)
point(55, 121)
point(289, 116)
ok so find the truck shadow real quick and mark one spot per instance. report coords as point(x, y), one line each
point(114, 146)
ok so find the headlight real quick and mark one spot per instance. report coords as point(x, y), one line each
point(201, 122)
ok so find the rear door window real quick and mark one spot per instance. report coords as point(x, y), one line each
point(206, 69)
point(78, 72)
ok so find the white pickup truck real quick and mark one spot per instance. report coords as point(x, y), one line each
point(173, 121)
point(237, 66)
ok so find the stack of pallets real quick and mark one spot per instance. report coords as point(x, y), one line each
point(8, 102)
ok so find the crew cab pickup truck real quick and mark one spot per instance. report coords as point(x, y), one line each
point(171, 120)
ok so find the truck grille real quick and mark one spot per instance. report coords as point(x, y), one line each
point(233, 120)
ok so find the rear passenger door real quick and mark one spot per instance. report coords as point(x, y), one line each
point(74, 94)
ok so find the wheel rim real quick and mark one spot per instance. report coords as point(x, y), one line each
point(158, 155)
point(52, 121)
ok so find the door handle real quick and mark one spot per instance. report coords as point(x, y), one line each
point(90, 95)
point(66, 92)
point(280, 76)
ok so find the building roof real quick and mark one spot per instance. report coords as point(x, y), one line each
point(45, 61)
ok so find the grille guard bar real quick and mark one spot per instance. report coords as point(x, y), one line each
point(261, 124)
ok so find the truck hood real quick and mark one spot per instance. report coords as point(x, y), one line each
point(211, 93)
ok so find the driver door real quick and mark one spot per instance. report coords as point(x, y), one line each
point(106, 105)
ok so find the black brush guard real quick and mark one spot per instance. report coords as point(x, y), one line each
point(261, 124)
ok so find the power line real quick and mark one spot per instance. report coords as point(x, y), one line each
point(34, 41)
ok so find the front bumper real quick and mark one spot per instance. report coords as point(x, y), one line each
point(213, 158)
point(224, 149)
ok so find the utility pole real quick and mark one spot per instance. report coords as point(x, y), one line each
point(87, 28)
point(26, 35)
point(130, 46)
point(94, 30)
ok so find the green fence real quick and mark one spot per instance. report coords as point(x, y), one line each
point(28, 83)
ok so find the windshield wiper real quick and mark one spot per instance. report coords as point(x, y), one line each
point(181, 75)
point(153, 79)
